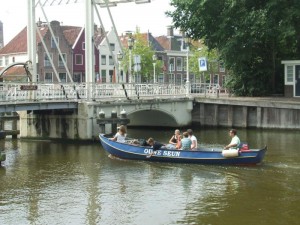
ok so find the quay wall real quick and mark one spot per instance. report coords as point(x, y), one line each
point(281, 113)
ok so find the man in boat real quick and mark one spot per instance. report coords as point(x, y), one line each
point(235, 141)
point(155, 145)
point(194, 140)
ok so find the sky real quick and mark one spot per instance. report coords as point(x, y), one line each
point(127, 16)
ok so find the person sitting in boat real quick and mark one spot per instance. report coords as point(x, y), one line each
point(194, 144)
point(186, 142)
point(154, 144)
point(175, 141)
point(235, 141)
point(120, 136)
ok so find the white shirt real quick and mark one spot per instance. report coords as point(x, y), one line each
point(235, 140)
point(194, 140)
point(120, 138)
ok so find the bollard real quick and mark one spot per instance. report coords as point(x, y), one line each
point(123, 114)
point(102, 126)
point(114, 117)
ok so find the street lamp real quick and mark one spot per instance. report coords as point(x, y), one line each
point(186, 42)
point(120, 57)
point(154, 58)
point(130, 46)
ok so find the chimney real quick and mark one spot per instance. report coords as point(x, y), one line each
point(170, 31)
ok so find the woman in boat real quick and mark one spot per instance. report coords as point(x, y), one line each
point(235, 141)
point(120, 136)
point(175, 141)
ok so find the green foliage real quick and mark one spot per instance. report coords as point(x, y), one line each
point(212, 57)
point(251, 36)
point(145, 51)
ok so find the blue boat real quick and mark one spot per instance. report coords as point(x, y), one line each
point(201, 156)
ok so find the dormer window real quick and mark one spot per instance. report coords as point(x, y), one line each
point(53, 45)
point(112, 46)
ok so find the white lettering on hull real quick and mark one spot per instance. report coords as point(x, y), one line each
point(162, 152)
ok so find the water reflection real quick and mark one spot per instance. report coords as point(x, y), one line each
point(65, 183)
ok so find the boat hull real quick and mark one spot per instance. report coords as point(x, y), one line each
point(201, 156)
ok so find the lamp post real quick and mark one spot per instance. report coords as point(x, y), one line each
point(130, 46)
point(120, 57)
point(187, 49)
point(154, 58)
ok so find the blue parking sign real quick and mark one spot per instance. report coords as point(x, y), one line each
point(202, 64)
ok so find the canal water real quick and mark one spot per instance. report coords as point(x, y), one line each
point(43, 182)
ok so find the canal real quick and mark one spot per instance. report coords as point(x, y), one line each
point(43, 182)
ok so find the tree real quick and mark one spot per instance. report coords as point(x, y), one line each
point(142, 48)
point(212, 57)
point(251, 36)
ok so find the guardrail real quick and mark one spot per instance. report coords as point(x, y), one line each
point(84, 91)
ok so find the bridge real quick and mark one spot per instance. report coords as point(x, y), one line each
point(37, 96)
point(71, 110)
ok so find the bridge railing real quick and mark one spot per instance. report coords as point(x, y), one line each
point(76, 91)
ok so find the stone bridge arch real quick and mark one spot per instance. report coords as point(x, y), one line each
point(152, 118)
point(175, 112)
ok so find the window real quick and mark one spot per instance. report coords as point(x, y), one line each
point(47, 61)
point(216, 79)
point(83, 46)
point(289, 74)
point(171, 64)
point(171, 78)
point(77, 77)
point(1, 61)
point(63, 77)
point(178, 78)
point(184, 64)
point(111, 72)
point(103, 59)
point(223, 80)
point(111, 62)
point(78, 59)
point(179, 64)
point(103, 76)
point(48, 77)
point(221, 67)
point(112, 46)
point(60, 60)
point(53, 45)
point(6, 60)
point(37, 78)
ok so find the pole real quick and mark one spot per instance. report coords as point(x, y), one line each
point(154, 78)
point(129, 69)
point(187, 72)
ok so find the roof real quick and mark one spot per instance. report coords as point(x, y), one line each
point(19, 43)
point(14, 73)
point(71, 34)
point(148, 38)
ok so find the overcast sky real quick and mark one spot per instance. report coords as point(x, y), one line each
point(127, 16)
